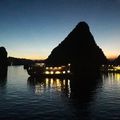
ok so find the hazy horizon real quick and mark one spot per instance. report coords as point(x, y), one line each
point(32, 28)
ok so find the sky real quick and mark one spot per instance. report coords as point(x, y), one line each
point(32, 28)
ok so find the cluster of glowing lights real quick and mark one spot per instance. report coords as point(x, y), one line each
point(52, 72)
point(54, 68)
point(112, 67)
point(57, 72)
point(57, 68)
point(117, 67)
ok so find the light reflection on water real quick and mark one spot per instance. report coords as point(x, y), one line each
point(84, 97)
point(56, 84)
point(112, 79)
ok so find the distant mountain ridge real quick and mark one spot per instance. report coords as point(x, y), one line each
point(116, 61)
point(80, 49)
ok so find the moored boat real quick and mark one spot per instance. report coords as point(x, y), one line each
point(49, 71)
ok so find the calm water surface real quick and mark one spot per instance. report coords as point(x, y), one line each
point(24, 98)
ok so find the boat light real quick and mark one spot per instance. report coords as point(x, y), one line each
point(47, 72)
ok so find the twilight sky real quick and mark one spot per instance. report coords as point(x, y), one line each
point(32, 28)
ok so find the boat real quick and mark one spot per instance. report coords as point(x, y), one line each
point(49, 71)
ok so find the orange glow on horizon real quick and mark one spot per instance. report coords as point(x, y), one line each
point(33, 56)
point(36, 57)
point(111, 55)
point(30, 57)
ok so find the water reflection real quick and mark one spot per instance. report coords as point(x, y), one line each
point(41, 85)
point(81, 92)
point(82, 88)
point(85, 97)
point(113, 78)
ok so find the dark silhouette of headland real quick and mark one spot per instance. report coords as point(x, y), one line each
point(116, 61)
point(3, 57)
point(12, 61)
point(3, 62)
point(19, 61)
point(80, 50)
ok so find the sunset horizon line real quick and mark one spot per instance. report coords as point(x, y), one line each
point(110, 57)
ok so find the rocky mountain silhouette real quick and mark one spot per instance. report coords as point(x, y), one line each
point(3, 57)
point(3, 62)
point(80, 50)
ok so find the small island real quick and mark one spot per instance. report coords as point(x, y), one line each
point(78, 50)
